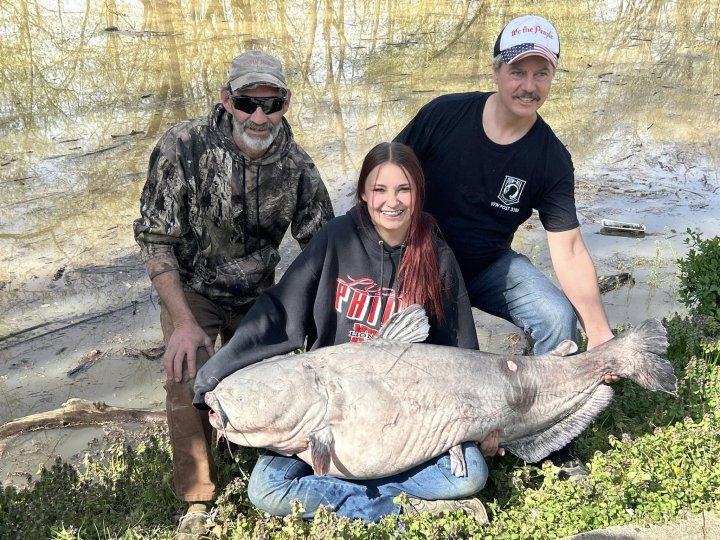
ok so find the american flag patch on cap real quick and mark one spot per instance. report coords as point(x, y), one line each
point(517, 52)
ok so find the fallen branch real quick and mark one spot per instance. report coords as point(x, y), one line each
point(79, 412)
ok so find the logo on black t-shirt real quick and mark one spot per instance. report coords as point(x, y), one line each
point(511, 190)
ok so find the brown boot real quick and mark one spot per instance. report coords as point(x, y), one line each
point(196, 522)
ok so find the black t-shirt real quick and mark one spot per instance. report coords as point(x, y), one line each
point(481, 192)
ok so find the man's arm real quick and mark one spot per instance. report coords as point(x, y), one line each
point(576, 273)
point(187, 335)
point(163, 223)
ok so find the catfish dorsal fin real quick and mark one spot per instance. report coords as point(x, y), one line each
point(408, 326)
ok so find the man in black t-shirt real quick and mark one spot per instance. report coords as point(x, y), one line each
point(489, 160)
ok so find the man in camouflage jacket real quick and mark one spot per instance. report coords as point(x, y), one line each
point(221, 192)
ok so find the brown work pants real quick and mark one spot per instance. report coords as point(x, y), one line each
point(194, 470)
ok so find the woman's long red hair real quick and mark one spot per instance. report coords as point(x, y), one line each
point(419, 275)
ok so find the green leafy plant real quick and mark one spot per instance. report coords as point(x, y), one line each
point(692, 335)
point(699, 273)
point(129, 490)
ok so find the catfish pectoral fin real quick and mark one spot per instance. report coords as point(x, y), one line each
point(321, 445)
point(536, 446)
point(457, 461)
point(566, 347)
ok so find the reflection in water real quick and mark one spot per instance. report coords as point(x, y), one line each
point(88, 87)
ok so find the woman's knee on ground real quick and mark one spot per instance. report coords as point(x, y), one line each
point(268, 494)
point(270, 482)
point(459, 487)
point(477, 474)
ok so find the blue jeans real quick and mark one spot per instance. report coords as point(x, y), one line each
point(513, 289)
point(278, 480)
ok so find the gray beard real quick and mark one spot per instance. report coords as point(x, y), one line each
point(255, 144)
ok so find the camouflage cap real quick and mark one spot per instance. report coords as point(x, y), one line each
point(253, 68)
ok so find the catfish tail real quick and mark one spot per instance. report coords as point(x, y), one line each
point(639, 361)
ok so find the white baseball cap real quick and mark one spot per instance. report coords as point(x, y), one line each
point(529, 35)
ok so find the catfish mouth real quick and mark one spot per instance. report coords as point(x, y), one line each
point(218, 419)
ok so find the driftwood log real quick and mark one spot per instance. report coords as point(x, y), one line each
point(610, 283)
point(79, 412)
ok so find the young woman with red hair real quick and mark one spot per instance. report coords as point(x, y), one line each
point(357, 271)
point(391, 188)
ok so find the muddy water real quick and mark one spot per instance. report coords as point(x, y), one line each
point(88, 87)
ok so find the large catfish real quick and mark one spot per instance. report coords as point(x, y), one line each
point(373, 409)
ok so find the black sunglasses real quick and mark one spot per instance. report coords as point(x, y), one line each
point(249, 105)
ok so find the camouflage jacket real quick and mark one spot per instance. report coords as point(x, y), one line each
point(218, 216)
